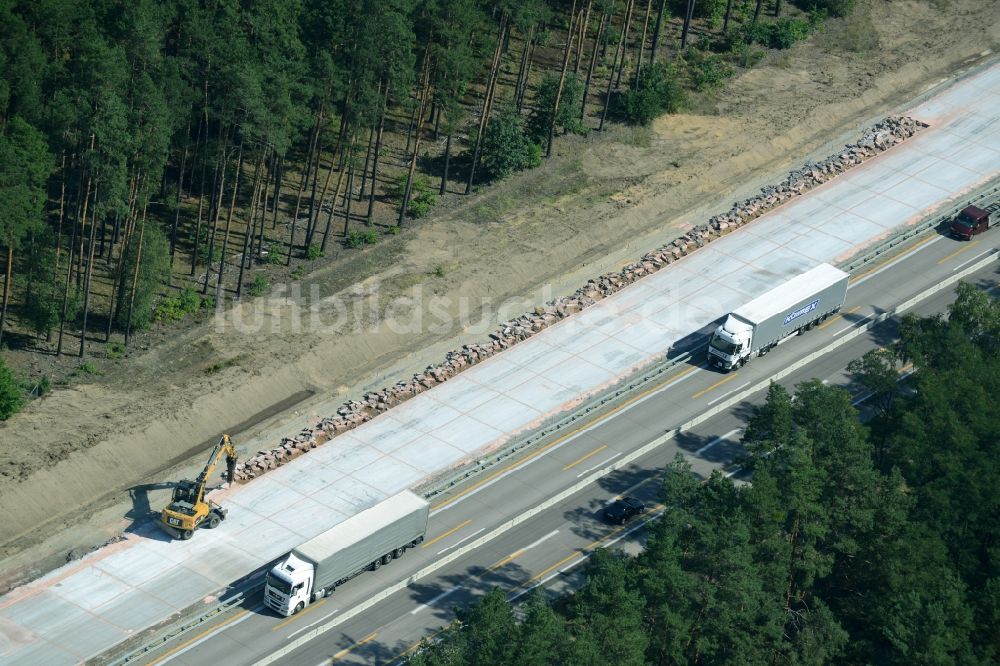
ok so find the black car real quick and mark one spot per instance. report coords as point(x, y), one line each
point(622, 509)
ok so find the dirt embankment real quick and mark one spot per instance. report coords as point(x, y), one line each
point(598, 204)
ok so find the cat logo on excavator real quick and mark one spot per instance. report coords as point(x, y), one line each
point(188, 509)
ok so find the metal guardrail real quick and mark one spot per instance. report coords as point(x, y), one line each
point(606, 400)
point(179, 629)
point(983, 199)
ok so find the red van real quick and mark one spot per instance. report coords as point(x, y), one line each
point(971, 221)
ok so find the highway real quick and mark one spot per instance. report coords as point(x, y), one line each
point(547, 548)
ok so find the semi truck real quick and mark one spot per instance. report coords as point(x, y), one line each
point(365, 541)
point(797, 305)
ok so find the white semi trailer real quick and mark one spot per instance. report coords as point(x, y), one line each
point(364, 541)
point(798, 304)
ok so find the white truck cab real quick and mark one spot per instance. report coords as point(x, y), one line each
point(730, 345)
point(289, 585)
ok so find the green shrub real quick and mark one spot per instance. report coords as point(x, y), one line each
point(657, 91)
point(11, 396)
point(506, 147)
point(298, 272)
point(115, 350)
point(85, 368)
point(831, 7)
point(174, 308)
point(370, 237)
point(393, 230)
point(274, 258)
point(567, 119)
point(259, 286)
point(313, 252)
point(707, 70)
point(439, 271)
point(355, 239)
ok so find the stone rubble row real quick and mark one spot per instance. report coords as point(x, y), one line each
point(353, 413)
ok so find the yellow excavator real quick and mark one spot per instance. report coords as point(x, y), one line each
point(188, 509)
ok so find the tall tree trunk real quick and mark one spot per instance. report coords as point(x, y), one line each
point(135, 277)
point(611, 77)
point(642, 42)
point(424, 87)
point(215, 217)
point(447, 160)
point(180, 187)
point(378, 152)
point(582, 38)
point(753, 22)
point(562, 80)
point(255, 196)
point(729, 13)
point(266, 185)
point(248, 232)
point(313, 139)
point(337, 148)
point(348, 198)
point(62, 208)
point(278, 179)
point(6, 288)
point(315, 186)
point(302, 183)
point(658, 28)
point(629, 10)
point(91, 242)
point(777, 8)
point(687, 23)
point(201, 208)
point(83, 220)
point(229, 220)
point(69, 279)
point(368, 159)
point(593, 62)
point(494, 72)
point(522, 69)
point(336, 194)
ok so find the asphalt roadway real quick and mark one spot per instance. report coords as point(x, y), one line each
point(548, 548)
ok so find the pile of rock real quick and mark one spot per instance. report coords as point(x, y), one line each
point(882, 136)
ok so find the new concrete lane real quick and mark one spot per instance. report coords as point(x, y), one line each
point(548, 543)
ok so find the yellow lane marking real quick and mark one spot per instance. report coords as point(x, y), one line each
point(964, 248)
point(716, 385)
point(585, 456)
point(557, 564)
point(295, 617)
point(446, 534)
point(347, 650)
point(582, 551)
point(914, 248)
point(414, 646)
point(199, 637)
point(840, 316)
point(539, 451)
point(507, 559)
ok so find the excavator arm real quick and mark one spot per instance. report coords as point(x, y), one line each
point(225, 446)
point(189, 510)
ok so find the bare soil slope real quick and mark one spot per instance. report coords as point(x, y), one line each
point(599, 203)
